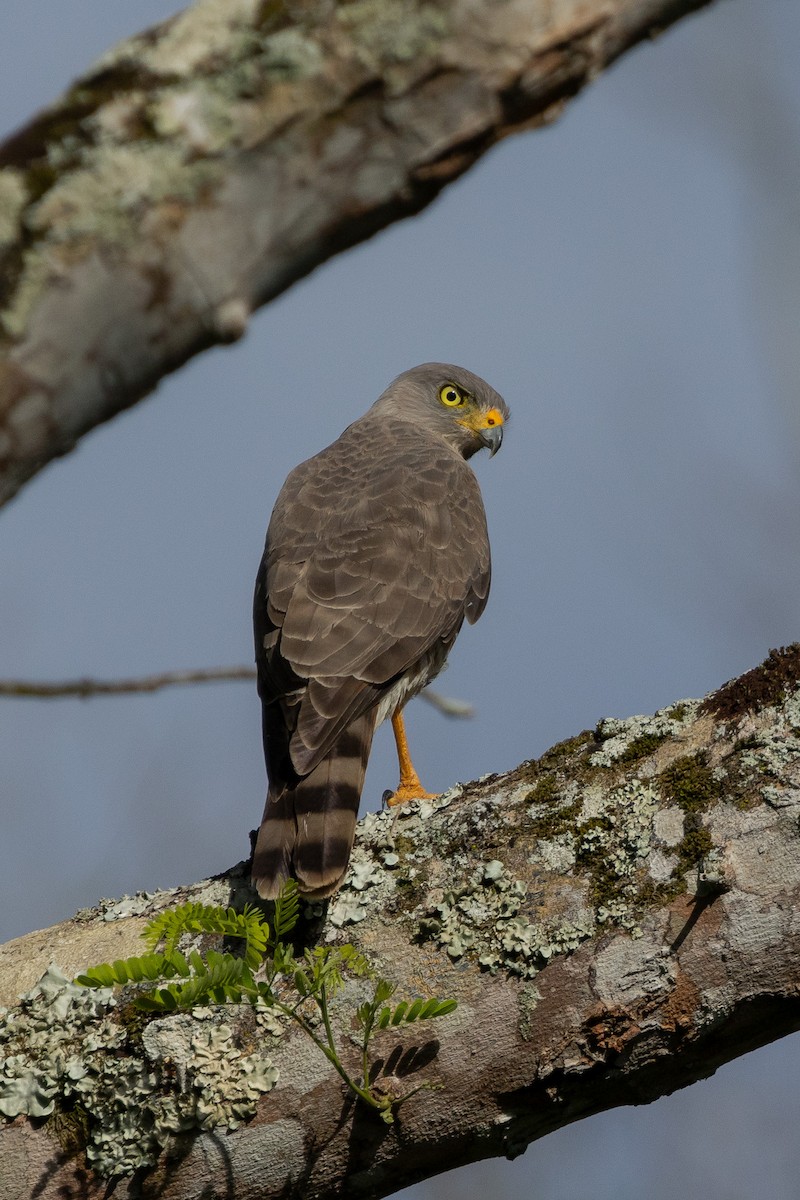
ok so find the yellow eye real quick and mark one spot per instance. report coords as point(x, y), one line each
point(451, 396)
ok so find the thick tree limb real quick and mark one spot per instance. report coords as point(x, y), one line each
point(616, 920)
point(202, 167)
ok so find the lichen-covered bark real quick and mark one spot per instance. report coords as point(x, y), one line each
point(202, 167)
point(615, 919)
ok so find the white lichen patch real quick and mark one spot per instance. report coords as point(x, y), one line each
point(609, 836)
point(791, 712)
point(186, 43)
point(592, 850)
point(291, 54)
point(621, 736)
point(215, 891)
point(616, 846)
point(774, 751)
point(376, 866)
point(42, 1042)
point(199, 116)
point(225, 1084)
point(132, 906)
point(347, 910)
point(104, 196)
point(367, 879)
point(140, 904)
point(593, 800)
point(420, 810)
point(401, 32)
point(63, 1049)
point(486, 917)
point(634, 805)
point(594, 856)
point(557, 854)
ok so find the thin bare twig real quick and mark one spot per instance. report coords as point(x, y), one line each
point(86, 689)
point(448, 706)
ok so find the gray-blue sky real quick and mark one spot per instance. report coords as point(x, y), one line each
point(628, 280)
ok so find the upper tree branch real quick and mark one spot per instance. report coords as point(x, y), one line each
point(616, 920)
point(202, 167)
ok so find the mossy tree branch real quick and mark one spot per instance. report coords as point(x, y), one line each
point(202, 167)
point(616, 920)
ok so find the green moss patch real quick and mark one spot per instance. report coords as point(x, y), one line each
point(690, 783)
point(642, 747)
point(696, 844)
point(563, 750)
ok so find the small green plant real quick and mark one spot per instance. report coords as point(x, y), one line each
point(269, 973)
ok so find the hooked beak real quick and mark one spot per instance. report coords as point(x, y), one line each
point(491, 438)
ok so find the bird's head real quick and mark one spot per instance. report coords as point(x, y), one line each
point(461, 407)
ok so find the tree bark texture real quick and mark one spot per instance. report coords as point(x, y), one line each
point(616, 919)
point(200, 168)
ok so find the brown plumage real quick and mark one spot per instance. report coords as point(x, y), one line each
point(376, 552)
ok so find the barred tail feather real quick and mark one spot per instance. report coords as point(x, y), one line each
point(272, 856)
point(308, 827)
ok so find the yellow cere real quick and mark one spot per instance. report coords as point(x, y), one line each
point(478, 420)
point(488, 419)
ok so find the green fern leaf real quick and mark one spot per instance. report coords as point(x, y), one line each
point(414, 1011)
point(364, 1014)
point(136, 970)
point(355, 962)
point(169, 927)
point(421, 1010)
point(287, 910)
point(302, 982)
point(437, 1008)
point(384, 1017)
point(383, 990)
point(223, 983)
point(177, 965)
point(166, 996)
point(133, 970)
point(400, 1011)
point(264, 992)
point(95, 977)
point(283, 960)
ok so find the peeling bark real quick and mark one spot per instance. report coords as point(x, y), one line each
point(616, 919)
point(200, 168)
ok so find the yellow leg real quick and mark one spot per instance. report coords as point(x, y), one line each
point(410, 787)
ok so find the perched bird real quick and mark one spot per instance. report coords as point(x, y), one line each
point(376, 551)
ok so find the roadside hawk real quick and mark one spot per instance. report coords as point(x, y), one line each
point(376, 551)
